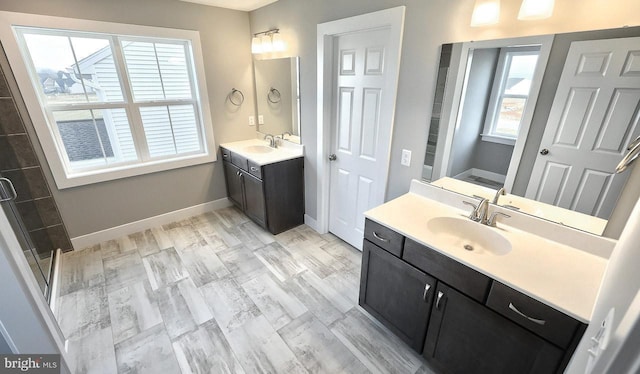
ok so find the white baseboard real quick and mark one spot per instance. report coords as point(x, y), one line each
point(88, 240)
point(311, 223)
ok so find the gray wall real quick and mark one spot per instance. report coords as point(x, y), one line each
point(493, 157)
point(428, 24)
point(467, 139)
point(226, 48)
point(4, 346)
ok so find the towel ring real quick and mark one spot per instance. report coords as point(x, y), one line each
point(236, 97)
point(273, 96)
point(634, 151)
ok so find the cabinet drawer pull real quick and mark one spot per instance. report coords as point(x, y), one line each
point(425, 295)
point(540, 322)
point(438, 299)
point(253, 168)
point(225, 155)
point(380, 237)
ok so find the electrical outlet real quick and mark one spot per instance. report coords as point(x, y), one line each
point(252, 120)
point(406, 157)
point(261, 120)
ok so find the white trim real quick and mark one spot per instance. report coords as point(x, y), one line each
point(7, 338)
point(32, 101)
point(392, 18)
point(498, 139)
point(546, 42)
point(311, 222)
point(88, 240)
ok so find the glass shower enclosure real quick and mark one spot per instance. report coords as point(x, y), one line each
point(40, 264)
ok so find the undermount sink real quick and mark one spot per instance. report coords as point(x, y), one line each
point(258, 149)
point(469, 235)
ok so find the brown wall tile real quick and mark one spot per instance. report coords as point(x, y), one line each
point(16, 152)
point(29, 183)
point(10, 121)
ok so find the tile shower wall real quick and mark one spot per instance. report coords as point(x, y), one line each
point(18, 162)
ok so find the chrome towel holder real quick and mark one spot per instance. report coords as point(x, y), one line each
point(236, 97)
point(274, 96)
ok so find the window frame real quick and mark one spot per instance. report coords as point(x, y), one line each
point(498, 93)
point(46, 134)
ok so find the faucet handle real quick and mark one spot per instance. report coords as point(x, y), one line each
point(474, 213)
point(492, 220)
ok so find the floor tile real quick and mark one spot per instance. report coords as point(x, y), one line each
point(261, 350)
point(133, 309)
point(164, 267)
point(81, 269)
point(121, 270)
point(242, 263)
point(117, 246)
point(276, 304)
point(315, 301)
point(206, 350)
point(149, 352)
point(279, 261)
point(93, 353)
point(202, 264)
point(230, 304)
point(377, 348)
point(182, 307)
point(145, 242)
point(82, 312)
point(318, 349)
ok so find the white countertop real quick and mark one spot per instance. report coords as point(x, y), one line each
point(565, 278)
point(285, 151)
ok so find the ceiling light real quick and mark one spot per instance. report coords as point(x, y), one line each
point(535, 9)
point(485, 12)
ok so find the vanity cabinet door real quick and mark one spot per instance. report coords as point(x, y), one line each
point(254, 199)
point(234, 184)
point(396, 294)
point(467, 337)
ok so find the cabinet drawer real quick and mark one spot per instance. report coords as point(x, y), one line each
point(451, 272)
point(383, 237)
point(537, 317)
point(239, 161)
point(255, 169)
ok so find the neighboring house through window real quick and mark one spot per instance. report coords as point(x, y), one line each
point(510, 93)
point(112, 100)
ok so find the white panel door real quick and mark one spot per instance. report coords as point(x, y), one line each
point(593, 118)
point(361, 130)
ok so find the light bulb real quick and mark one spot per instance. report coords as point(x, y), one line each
point(535, 9)
point(485, 12)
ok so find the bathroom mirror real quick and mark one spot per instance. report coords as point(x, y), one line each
point(278, 97)
point(475, 86)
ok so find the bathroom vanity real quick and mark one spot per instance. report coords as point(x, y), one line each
point(266, 183)
point(478, 299)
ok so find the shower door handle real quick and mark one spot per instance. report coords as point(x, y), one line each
point(7, 194)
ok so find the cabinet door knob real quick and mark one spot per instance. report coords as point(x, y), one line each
point(438, 299)
point(425, 295)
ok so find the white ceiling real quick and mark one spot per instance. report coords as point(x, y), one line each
point(246, 5)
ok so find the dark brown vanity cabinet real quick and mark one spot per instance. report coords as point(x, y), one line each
point(271, 195)
point(460, 320)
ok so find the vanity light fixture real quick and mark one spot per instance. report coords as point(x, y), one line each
point(485, 12)
point(535, 9)
point(267, 42)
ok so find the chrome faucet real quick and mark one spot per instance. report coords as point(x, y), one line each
point(272, 141)
point(500, 192)
point(480, 211)
point(285, 133)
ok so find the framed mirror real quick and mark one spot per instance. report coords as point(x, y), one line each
point(582, 94)
point(278, 97)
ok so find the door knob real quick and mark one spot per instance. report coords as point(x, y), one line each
point(544, 152)
point(332, 157)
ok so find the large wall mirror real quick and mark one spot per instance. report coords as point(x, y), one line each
point(278, 97)
point(547, 118)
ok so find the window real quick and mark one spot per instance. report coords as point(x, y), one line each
point(115, 104)
point(510, 93)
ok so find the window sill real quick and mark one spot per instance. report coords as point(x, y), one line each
point(498, 139)
point(97, 176)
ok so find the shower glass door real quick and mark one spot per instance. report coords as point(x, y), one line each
point(40, 265)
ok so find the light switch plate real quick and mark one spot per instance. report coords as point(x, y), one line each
point(260, 120)
point(252, 120)
point(406, 157)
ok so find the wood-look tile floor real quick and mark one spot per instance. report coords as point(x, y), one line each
point(217, 294)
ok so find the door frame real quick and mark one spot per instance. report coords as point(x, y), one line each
point(392, 18)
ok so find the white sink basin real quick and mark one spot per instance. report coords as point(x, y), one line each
point(468, 236)
point(258, 149)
